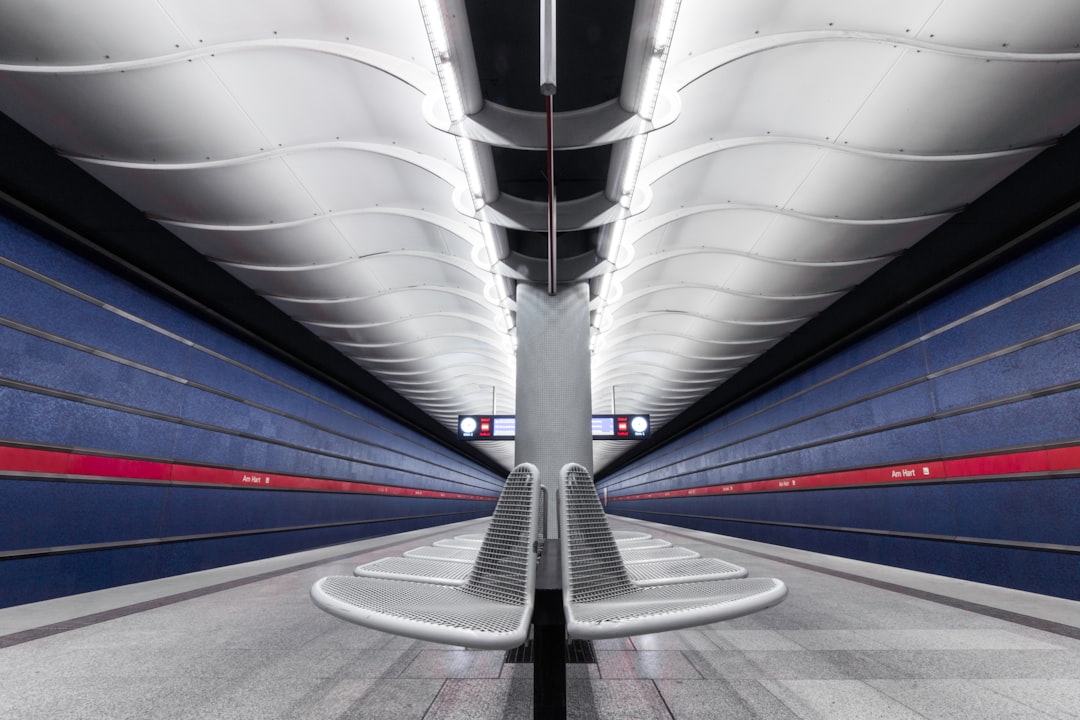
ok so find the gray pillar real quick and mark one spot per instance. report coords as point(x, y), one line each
point(554, 384)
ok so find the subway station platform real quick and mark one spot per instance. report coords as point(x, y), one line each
point(852, 640)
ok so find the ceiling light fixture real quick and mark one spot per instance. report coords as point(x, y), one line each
point(474, 157)
point(490, 244)
point(471, 164)
point(656, 52)
point(656, 60)
point(439, 39)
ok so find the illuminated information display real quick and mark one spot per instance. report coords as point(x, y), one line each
point(604, 427)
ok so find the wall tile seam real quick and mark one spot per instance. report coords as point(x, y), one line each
point(1031, 289)
point(924, 419)
point(31, 553)
point(174, 420)
point(40, 277)
point(986, 357)
point(949, 568)
point(81, 347)
point(1034, 476)
point(83, 479)
point(959, 539)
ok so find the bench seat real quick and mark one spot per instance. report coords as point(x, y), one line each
point(632, 556)
point(601, 601)
point(430, 552)
point(642, 544)
point(455, 543)
point(442, 572)
point(491, 610)
point(629, 535)
point(436, 613)
point(438, 572)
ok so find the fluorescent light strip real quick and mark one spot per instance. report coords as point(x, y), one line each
point(665, 23)
point(657, 58)
point(490, 245)
point(633, 167)
point(471, 164)
point(650, 87)
point(455, 106)
point(653, 76)
point(436, 29)
point(439, 39)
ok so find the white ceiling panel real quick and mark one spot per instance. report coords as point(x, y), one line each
point(719, 303)
point(1037, 26)
point(896, 188)
point(258, 192)
point(720, 331)
point(803, 91)
point(763, 175)
point(172, 113)
point(775, 233)
point(370, 274)
point(299, 96)
point(326, 239)
point(409, 329)
point(804, 145)
point(394, 28)
point(389, 305)
point(749, 274)
point(944, 104)
point(60, 32)
point(347, 179)
point(798, 238)
point(315, 243)
point(706, 24)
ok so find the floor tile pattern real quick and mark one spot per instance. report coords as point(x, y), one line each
point(836, 649)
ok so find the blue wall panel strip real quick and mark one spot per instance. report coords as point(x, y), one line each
point(94, 363)
point(991, 368)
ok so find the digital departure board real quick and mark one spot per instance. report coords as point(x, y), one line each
point(620, 427)
point(604, 427)
point(486, 427)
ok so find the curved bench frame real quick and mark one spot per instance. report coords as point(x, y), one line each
point(492, 609)
point(600, 600)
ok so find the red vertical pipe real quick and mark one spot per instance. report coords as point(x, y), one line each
point(552, 244)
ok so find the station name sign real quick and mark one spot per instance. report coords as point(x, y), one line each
point(504, 427)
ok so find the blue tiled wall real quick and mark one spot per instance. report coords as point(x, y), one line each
point(77, 374)
point(993, 367)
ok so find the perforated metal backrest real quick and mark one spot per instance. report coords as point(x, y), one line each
point(505, 567)
point(541, 533)
point(592, 565)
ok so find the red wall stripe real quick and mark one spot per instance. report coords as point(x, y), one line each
point(57, 462)
point(1033, 461)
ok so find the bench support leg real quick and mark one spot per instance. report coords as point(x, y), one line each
point(549, 656)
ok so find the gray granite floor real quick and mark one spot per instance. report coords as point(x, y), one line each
point(836, 649)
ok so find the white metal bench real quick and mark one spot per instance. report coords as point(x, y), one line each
point(492, 609)
point(443, 572)
point(411, 569)
point(460, 544)
point(620, 535)
point(600, 600)
point(431, 552)
point(644, 544)
point(631, 555)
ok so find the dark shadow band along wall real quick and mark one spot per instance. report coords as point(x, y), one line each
point(947, 442)
point(138, 440)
